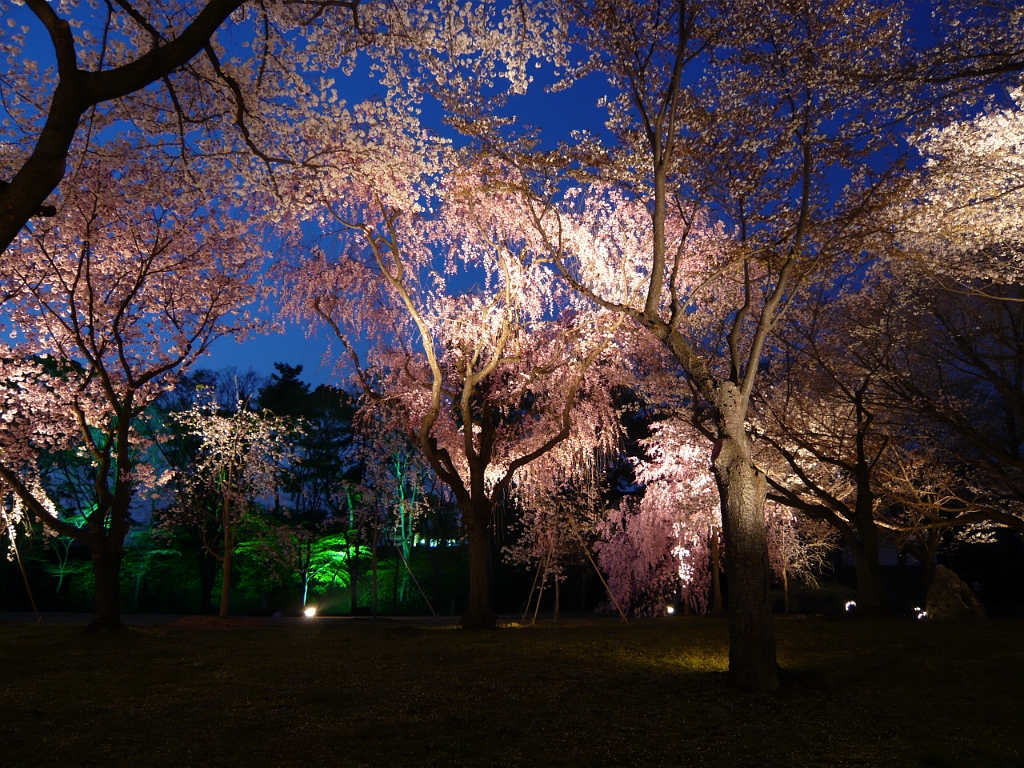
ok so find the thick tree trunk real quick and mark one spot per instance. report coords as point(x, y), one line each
point(225, 584)
point(716, 573)
point(106, 567)
point(924, 552)
point(927, 577)
point(478, 614)
point(871, 597)
point(742, 488)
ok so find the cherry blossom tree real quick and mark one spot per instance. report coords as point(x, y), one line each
point(664, 545)
point(121, 298)
point(960, 330)
point(229, 81)
point(960, 371)
point(943, 338)
point(890, 410)
point(488, 377)
point(658, 548)
point(559, 498)
point(826, 426)
point(241, 455)
point(748, 115)
point(975, 43)
point(964, 220)
point(798, 547)
point(189, 512)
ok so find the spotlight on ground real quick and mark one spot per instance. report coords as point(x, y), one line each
point(670, 610)
point(310, 612)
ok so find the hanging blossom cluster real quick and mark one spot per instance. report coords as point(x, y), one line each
point(560, 502)
point(17, 515)
point(394, 279)
point(658, 546)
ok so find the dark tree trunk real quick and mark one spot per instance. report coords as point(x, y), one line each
point(785, 591)
point(924, 551)
point(742, 488)
point(478, 613)
point(716, 573)
point(106, 566)
point(927, 572)
point(871, 597)
point(225, 584)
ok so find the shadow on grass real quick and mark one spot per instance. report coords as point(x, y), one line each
point(594, 693)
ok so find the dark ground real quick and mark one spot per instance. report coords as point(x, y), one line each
point(588, 692)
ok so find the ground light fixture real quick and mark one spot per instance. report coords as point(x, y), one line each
point(310, 612)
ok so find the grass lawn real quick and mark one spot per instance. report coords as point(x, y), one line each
point(583, 692)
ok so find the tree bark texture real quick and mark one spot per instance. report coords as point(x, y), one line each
point(742, 488)
point(106, 567)
point(478, 613)
point(716, 574)
point(752, 662)
point(785, 591)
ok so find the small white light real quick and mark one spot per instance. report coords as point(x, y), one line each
point(670, 610)
point(310, 612)
point(851, 604)
point(921, 614)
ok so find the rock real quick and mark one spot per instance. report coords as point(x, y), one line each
point(951, 598)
